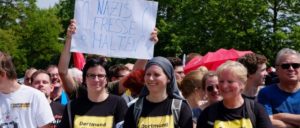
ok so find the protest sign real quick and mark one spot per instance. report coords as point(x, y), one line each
point(115, 28)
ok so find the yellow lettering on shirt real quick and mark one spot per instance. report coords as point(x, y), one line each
point(93, 122)
point(241, 123)
point(156, 122)
point(20, 105)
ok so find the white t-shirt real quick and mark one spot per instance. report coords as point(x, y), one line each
point(25, 108)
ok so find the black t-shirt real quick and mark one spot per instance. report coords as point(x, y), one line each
point(217, 115)
point(86, 113)
point(57, 110)
point(159, 115)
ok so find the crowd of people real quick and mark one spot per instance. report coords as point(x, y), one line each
point(153, 93)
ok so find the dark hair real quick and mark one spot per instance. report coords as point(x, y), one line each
point(92, 61)
point(40, 72)
point(51, 66)
point(191, 56)
point(251, 61)
point(114, 70)
point(175, 61)
point(7, 66)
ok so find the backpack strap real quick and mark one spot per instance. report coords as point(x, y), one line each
point(176, 108)
point(250, 111)
point(138, 106)
point(69, 114)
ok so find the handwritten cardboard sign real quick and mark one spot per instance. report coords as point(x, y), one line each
point(115, 28)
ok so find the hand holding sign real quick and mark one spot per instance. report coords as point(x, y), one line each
point(115, 28)
point(71, 28)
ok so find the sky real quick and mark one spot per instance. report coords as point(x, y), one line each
point(46, 3)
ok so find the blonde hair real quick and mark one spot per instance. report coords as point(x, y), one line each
point(203, 69)
point(238, 69)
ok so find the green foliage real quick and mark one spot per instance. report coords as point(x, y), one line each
point(29, 35)
point(65, 12)
point(207, 25)
point(295, 38)
point(9, 44)
point(40, 38)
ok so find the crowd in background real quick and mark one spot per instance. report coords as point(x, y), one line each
point(152, 93)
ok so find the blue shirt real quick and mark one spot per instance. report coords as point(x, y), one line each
point(276, 100)
point(196, 113)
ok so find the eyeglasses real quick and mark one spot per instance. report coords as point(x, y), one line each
point(288, 65)
point(211, 88)
point(93, 76)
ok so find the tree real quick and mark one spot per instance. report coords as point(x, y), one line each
point(40, 33)
point(9, 44)
point(29, 34)
point(13, 11)
point(206, 25)
point(65, 12)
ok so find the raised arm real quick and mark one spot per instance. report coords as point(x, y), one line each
point(141, 63)
point(69, 83)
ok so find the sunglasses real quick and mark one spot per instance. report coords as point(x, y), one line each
point(288, 65)
point(211, 88)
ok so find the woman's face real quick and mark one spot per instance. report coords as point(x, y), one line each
point(96, 78)
point(212, 89)
point(229, 85)
point(155, 79)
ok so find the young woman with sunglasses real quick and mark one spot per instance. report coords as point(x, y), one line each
point(233, 111)
point(210, 86)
